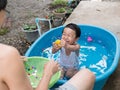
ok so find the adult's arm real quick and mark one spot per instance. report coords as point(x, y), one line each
point(12, 72)
point(49, 69)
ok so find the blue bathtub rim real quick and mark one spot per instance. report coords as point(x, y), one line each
point(116, 58)
point(117, 54)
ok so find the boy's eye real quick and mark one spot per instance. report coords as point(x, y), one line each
point(70, 36)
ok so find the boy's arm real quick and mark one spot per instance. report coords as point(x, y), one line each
point(72, 47)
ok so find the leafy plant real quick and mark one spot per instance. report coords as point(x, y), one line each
point(59, 3)
point(70, 10)
point(60, 10)
point(29, 27)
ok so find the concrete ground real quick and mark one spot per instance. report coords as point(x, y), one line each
point(104, 14)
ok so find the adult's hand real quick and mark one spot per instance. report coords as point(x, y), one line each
point(51, 67)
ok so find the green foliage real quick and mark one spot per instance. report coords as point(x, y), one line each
point(69, 10)
point(29, 27)
point(59, 3)
point(60, 10)
point(3, 31)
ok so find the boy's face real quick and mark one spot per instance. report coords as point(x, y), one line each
point(69, 36)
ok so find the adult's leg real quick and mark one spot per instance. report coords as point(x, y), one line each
point(83, 80)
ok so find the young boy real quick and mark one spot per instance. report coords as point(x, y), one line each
point(69, 50)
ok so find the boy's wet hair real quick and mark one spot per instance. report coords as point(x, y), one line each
point(3, 4)
point(75, 28)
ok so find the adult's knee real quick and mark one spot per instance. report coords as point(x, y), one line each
point(84, 78)
point(89, 74)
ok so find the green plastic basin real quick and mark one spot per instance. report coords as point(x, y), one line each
point(34, 67)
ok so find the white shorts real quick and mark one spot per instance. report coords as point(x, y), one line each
point(66, 86)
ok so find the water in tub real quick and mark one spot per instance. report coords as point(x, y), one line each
point(93, 55)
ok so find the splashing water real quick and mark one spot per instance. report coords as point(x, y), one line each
point(48, 53)
point(92, 55)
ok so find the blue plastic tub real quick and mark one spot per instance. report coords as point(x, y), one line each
point(102, 49)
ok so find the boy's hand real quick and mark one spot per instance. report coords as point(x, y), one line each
point(56, 46)
point(63, 43)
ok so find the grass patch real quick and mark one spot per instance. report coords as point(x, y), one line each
point(3, 31)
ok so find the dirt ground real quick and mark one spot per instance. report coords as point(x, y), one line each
point(21, 12)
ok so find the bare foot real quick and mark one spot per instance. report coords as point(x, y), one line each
point(62, 74)
point(71, 72)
